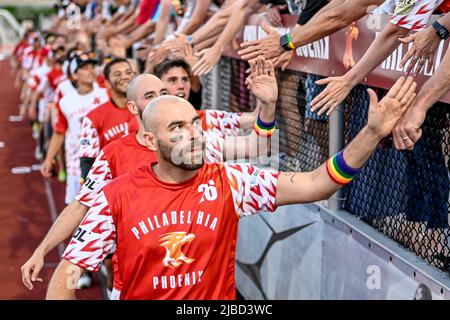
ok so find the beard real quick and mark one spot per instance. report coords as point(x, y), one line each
point(179, 158)
point(116, 88)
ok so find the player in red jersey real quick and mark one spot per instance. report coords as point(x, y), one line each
point(174, 224)
point(111, 120)
point(115, 159)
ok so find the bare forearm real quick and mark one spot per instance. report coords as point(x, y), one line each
point(248, 119)
point(127, 26)
point(232, 27)
point(252, 145)
point(214, 25)
point(197, 18)
point(163, 22)
point(63, 282)
point(63, 227)
point(140, 33)
point(206, 43)
point(379, 50)
point(333, 17)
point(435, 87)
point(56, 143)
point(298, 187)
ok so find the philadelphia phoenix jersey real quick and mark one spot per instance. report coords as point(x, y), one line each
point(173, 241)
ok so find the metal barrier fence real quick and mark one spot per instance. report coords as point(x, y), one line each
point(404, 195)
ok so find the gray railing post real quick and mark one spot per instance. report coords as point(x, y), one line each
point(215, 87)
point(335, 144)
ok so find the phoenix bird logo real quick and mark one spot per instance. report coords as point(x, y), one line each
point(173, 243)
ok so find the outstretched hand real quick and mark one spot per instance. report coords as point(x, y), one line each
point(268, 47)
point(262, 81)
point(384, 114)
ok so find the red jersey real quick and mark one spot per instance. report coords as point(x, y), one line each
point(173, 241)
point(445, 6)
point(55, 77)
point(125, 155)
point(103, 125)
point(222, 122)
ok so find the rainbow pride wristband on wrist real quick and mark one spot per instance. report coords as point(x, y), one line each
point(290, 42)
point(263, 128)
point(339, 171)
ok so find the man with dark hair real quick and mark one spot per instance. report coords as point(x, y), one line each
point(176, 75)
point(180, 83)
point(110, 120)
point(71, 110)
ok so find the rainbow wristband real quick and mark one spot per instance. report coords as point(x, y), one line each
point(263, 128)
point(290, 43)
point(339, 171)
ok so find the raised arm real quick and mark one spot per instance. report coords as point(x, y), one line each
point(336, 15)
point(262, 83)
point(339, 87)
point(320, 184)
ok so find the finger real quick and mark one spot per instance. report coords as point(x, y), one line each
point(409, 144)
point(413, 134)
point(405, 88)
point(197, 66)
point(412, 63)
point(407, 56)
point(333, 107)
point(406, 99)
point(392, 93)
point(251, 84)
point(259, 66)
point(400, 141)
point(267, 28)
point(249, 54)
point(253, 67)
point(407, 39)
point(325, 107)
point(318, 101)
point(35, 274)
point(322, 102)
point(270, 68)
point(395, 139)
point(202, 70)
point(324, 81)
point(208, 69)
point(373, 98)
point(250, 43)
point(26, 279)
point(410, 101)
point(431, 61)
point(420, 65)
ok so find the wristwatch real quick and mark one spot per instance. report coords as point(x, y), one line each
point(286, 42)
point(441, 31)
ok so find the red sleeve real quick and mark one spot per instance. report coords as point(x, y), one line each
point(61, 121)
point(146, 10)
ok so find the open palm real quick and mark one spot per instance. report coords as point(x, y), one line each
point(262, 82)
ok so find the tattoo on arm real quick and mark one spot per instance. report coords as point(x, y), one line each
point(290, 174)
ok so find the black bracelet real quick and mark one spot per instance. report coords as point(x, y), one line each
point(441, 31)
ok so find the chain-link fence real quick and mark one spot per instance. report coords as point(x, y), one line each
point(403, 194)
